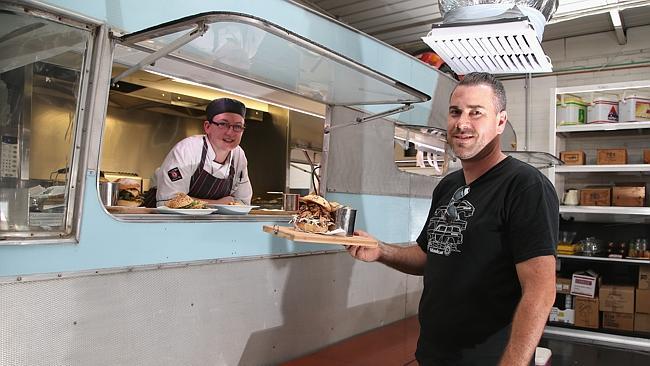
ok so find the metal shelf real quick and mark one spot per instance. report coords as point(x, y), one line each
point(608, 210)
point(609, 214)
point(620, 168)
point(602, 127)
point(604, 259)
point(590, 337)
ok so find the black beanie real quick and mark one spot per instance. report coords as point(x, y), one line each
point(224, 105)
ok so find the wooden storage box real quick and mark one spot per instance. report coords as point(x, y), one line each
point(630, 196)
point(576, 157)
point(600, 196)
point(646, 156)
point(612, 156)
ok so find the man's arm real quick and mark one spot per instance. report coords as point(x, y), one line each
point(409, 259)
point(537, 279)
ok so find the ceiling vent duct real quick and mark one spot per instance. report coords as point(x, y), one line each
point(495, 36)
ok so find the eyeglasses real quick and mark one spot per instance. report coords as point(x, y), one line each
point(452, 213)
point(223, 125)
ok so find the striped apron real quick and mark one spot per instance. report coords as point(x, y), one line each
point(205, 185)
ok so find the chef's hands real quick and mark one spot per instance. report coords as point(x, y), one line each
point(366, 254)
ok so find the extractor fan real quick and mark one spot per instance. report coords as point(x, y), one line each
point(495, 36)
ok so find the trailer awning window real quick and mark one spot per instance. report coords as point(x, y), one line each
point(247, 47)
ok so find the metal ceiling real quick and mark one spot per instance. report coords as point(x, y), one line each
point(401, 23)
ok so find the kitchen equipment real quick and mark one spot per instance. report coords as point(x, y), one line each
point(290, 201)
point(14, 209)
point(109, 192)
point(571, 197)
point(591, 246)
point(344, 219)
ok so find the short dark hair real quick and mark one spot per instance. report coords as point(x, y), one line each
point(484, 78)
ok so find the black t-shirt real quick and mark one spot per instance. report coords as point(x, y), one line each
point(471, 288)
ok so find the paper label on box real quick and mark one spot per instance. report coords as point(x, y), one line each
point(583, 285)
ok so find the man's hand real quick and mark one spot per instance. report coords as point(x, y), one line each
point(408, 259)
point(366, 254)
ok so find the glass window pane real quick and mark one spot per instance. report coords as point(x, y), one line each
point(272, 56)
point(40, 75)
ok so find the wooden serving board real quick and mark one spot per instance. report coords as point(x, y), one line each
point(129, 210)
point(291, 234)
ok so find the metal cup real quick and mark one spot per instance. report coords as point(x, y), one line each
point(290, 201)
point(109, 193)
point(344, 219)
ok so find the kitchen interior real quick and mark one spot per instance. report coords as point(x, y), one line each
point(147, 115)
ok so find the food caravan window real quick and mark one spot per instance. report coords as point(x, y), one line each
point(40, 87)
point(148, 113)
point(421, 150)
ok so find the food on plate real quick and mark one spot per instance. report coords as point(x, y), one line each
point(129, 194)
point(183, 201)
point(234, 203)
point(314, 214)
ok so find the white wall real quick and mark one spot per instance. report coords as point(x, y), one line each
point(577, 61)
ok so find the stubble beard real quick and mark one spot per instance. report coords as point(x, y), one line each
point(488, 149)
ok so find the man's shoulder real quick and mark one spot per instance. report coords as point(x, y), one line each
point(524, 176)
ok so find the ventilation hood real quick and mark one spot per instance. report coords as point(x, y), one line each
point(495, 36)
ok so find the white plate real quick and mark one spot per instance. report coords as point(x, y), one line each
point(231, 209)
point(187, 211)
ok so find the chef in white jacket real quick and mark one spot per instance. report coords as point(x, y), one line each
point(210, 167)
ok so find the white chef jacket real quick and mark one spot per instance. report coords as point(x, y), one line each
point(183, 160)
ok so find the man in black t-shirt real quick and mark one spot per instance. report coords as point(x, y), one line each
point(487, 249)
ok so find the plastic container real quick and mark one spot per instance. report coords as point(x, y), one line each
point(602, 110)
point(543, 356)
point(570, 111)
point(634, 108)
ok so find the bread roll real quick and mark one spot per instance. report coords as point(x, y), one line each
point(126, 203)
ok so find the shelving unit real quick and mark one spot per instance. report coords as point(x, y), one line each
point(634, 137)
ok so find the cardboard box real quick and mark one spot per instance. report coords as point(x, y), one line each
point(584, 283)
point(611, 156)
point(642, 323)
point(618, 321)
point(644, 278)
point(618, 299)
point(596, 196)
point(587, 313)
point(631, 196)
point(642, 301)
point(576, 157)
point(562, 316)
point(646, 156)
point(563, 285)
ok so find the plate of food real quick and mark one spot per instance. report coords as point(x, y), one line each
point(235, 209)
point(185, 205)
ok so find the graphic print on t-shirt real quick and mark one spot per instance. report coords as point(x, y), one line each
point(446, 236)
